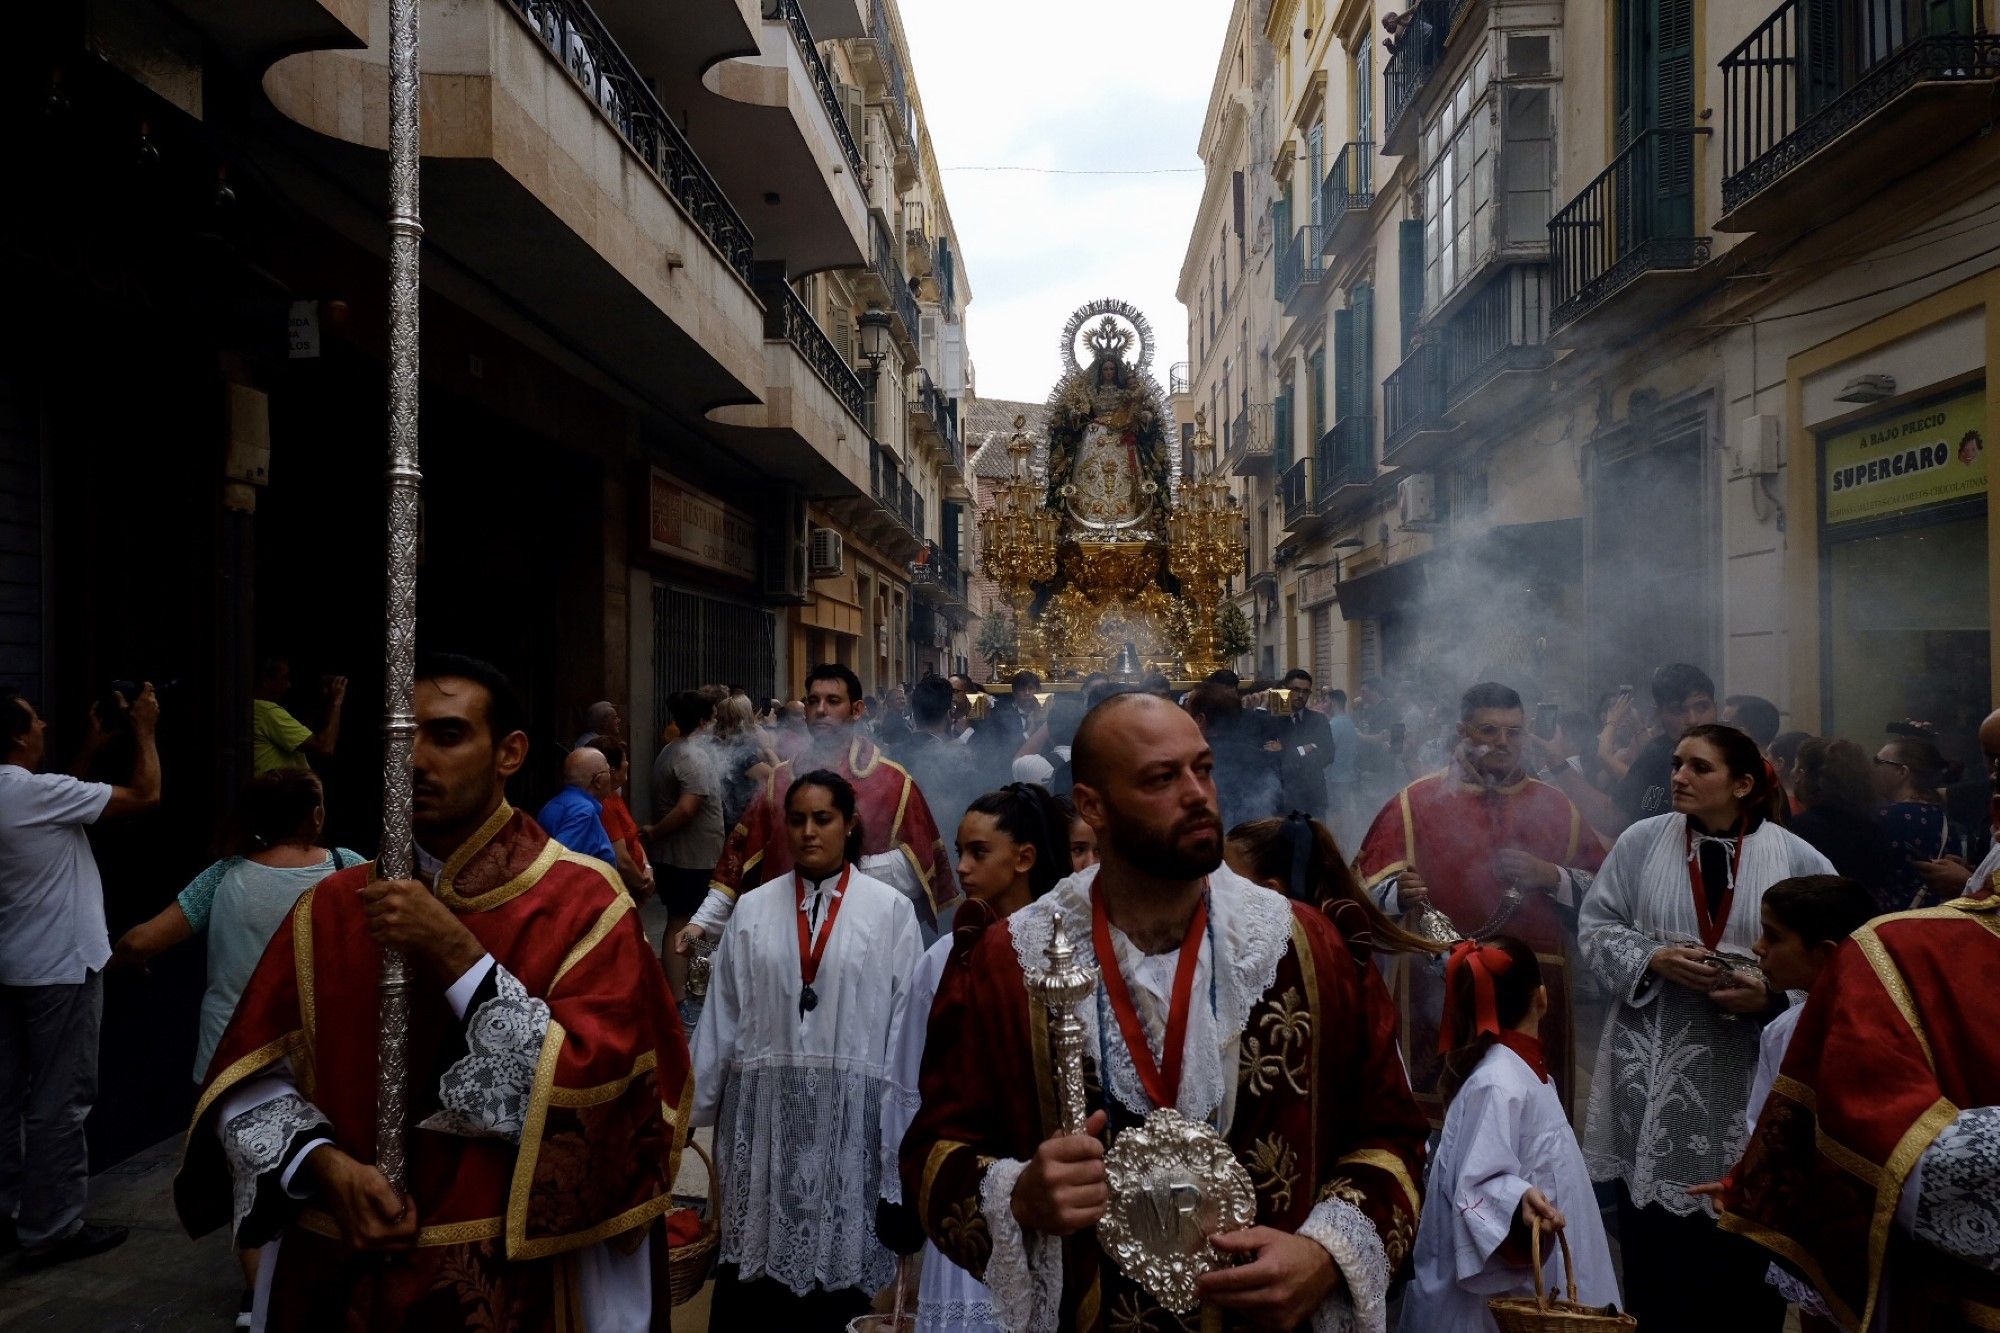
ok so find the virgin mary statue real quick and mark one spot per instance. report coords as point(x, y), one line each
point(1108, 463)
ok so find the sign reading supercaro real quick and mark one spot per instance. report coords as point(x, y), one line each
point(1924, 456)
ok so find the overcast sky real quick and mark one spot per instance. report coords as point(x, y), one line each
point(1079, 85)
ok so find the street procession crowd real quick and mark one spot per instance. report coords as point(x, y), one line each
point(1692, 1013)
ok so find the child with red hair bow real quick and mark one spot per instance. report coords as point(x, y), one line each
point(1507, 1158)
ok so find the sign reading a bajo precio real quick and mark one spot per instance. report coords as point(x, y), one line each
point(1926, 456)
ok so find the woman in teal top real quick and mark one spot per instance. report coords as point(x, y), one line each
point(240, 901)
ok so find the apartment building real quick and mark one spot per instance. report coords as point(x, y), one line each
point(1614, 334)
point(694, 357)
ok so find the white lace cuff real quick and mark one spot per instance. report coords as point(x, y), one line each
point(484, 1094)
point(1957, 1212)
point(1796, 1292)
point(1361, 1305)
point(258, 1142)
point(1024, 1272)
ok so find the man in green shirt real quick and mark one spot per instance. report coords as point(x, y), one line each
point(279, 740)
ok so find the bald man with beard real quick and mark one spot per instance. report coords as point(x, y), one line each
point(1289, 1052)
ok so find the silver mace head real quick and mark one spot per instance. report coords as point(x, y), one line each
point(1063, 980)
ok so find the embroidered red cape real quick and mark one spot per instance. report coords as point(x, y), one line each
point(1453, 834)
point(1897, 1037)
point(500, 1222)
point(1322, 1110)
point(894, 817)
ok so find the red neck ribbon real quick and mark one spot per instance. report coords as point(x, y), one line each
point(1712, 928)
point(1486, 961)
point(810, 953)
point(1163, 1086)
point(1528, 1048)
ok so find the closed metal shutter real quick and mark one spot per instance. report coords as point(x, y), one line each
point(700, 640)
point(1322, 630)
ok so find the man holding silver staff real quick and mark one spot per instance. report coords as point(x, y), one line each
point(1263, 1146)
point(549, 1085)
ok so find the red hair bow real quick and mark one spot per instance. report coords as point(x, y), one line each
point(1485, 962)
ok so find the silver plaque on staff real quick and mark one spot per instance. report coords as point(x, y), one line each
point(1174, 1182)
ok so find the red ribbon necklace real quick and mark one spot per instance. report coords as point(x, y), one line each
point(1164, 1087)
point(810, 953)
point(1711, 929)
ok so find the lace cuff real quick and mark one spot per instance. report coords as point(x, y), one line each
point(1797, 1292)
point(1623, 958)
point(484, 1092)
point(1361, 1306)
point(1958, 1209)
point(1024, 1272)
point(258, 1144)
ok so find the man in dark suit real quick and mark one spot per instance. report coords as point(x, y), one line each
point(1308, 742)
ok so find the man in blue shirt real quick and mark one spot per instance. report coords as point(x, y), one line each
point(574, 816)
point(1342, 774)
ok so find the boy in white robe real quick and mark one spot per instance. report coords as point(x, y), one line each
point(1506, 1160)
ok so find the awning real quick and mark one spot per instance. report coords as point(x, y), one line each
point(1538, 554)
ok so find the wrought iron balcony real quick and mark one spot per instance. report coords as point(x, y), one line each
point(822, 81)
point(1298, 504)
point(1502, 330)
point(787, 318)
point(1346, 460)
point(1177, 378)
point(936, 578)
point(1636, 217)
point(1300, 267)
point(892, 288)
point(1811, 74)
point(578, 41)
point(1251, 436)
point(1419, 52)
point(1413, 401)
point(1347, 193)
point(892, 61)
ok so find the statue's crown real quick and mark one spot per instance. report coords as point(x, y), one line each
point(1108, 339)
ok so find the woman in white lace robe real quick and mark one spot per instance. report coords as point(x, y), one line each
point(791, 1067)
point(1011, 850)
point(1671, 1086)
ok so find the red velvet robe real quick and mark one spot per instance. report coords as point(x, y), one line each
point(501, 1222)
point(1898, 1037)
point(1322, 1112)
point(1453, 833)
point(894, 817)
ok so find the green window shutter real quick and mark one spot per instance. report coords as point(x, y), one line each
point(1281, 431)
point(1343, 363)
point(1316, 391)
point(1410, 277)
point(1362, 394)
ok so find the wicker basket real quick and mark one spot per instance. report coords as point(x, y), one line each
point(1548, 1314)
point(689, 1265)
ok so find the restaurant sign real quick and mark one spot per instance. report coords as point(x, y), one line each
point(1924, 456)
point(690, 526)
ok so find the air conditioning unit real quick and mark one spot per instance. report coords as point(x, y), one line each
point(782, 566)
point(1416, 500)
point(829, 554)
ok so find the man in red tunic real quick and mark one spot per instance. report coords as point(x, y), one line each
point(1217, 998)
point(894, 817)
point(1874, 1173)
point(1492, 850)
point(548, 1078)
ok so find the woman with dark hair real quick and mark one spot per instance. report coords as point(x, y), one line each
point(1010, 852)
point(1910, 775)
point(1297, 856)
point(1507, 1159)
point(792, 1060)
point(239, 903)
point(1669, 928)
point(1836, 796)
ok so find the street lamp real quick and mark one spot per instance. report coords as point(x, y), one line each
point(874, 323)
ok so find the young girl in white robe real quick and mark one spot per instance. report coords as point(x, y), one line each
point(1507, 1158)
point(1011, 850)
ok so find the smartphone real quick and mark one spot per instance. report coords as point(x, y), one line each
point(1545, 720)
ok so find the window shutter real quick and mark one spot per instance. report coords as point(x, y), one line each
point(1343, 362)
point(1236, 182)
point(840, 328)
point(1362, 396)
point(1410, 277)
point(1281, 431)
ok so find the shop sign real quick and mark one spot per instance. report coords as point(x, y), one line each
point(1318, 587)
point(1926, 456)
point(690, 526)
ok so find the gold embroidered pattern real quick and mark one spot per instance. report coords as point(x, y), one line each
point(964, 1232)
point(1133, 1313)
point(1273, 1169)
point(1346, 1191)
point(1280, 1049)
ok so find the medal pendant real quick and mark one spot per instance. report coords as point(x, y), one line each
point(1174, 1183)
point(808, 1001)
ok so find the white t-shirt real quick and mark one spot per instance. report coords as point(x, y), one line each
point(52, 929)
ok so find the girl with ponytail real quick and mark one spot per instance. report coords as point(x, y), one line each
point(1297, 856)
point(1507, 1159)
point(1013, 847)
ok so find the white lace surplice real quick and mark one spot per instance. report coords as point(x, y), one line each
point(1249, 931)
point(1672, 1082)
point(796, 1101)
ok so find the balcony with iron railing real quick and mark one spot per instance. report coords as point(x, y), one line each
point(1346, 459)
point(936, 579)
point(789, 13)
point(1177, 378)
point(1346, 196)
point(883, 283)
point(1631, 227)
point(1298, 503)
point(1832, 101)
point(1251, 435)
point(1498, 337)
point(787, 319)
point(1420, 50)
point(1413, 406)
point(1299, 270)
